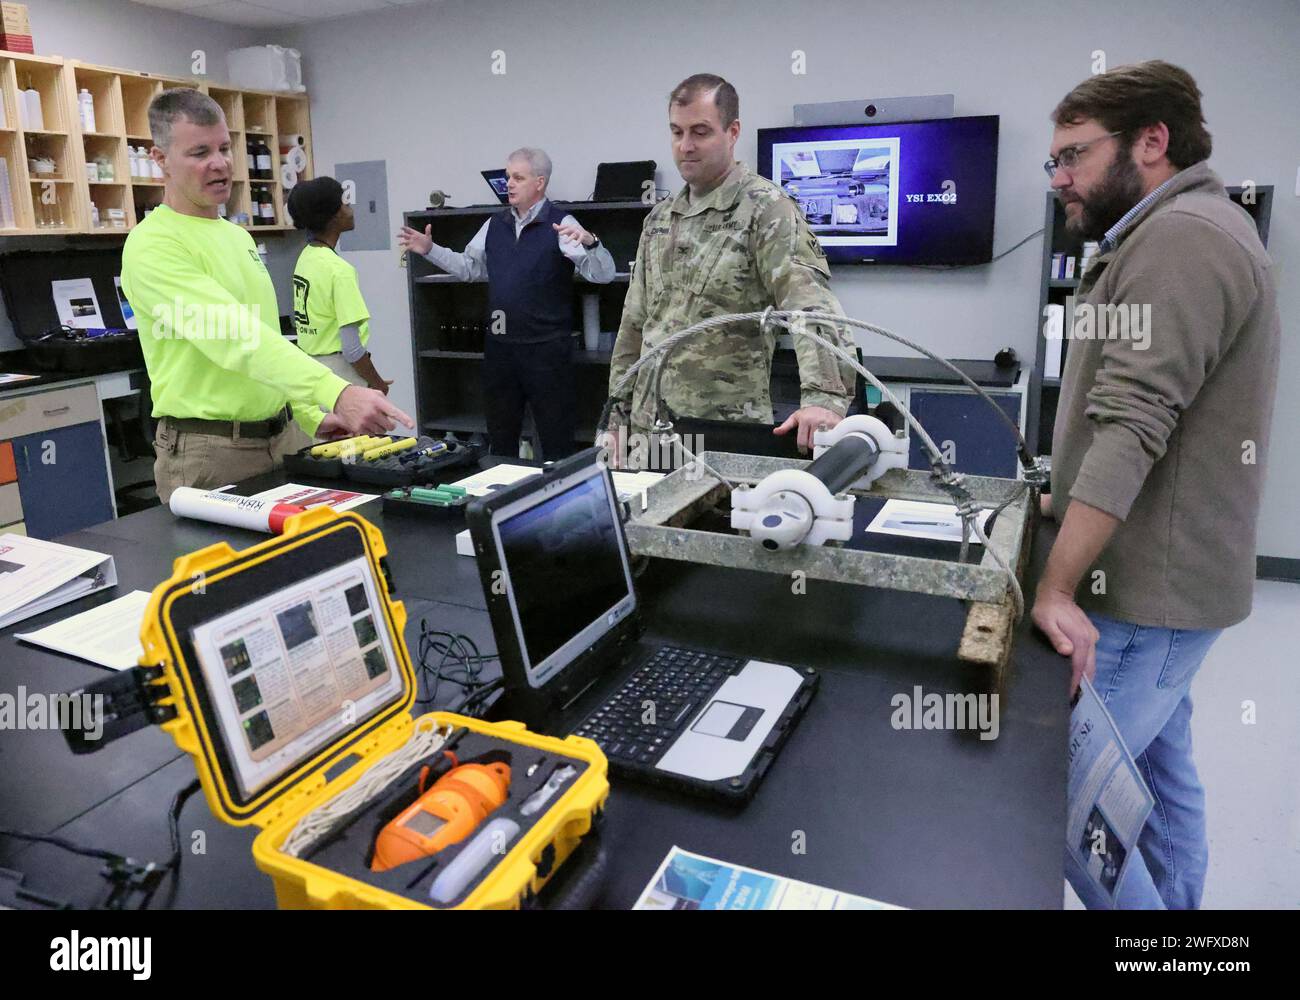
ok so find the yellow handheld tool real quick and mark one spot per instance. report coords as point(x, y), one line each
point(348, 446)
point(375, 454)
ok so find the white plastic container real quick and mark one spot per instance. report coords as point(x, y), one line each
point(33, 117)
point(266, 67)
point(86, 106)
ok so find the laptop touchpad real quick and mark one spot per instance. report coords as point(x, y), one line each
point(727, 720)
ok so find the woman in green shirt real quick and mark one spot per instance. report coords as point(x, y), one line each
point(329, 314)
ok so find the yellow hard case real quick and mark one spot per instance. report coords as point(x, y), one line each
point(277, 808)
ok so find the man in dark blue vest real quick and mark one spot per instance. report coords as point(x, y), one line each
point(528, 254)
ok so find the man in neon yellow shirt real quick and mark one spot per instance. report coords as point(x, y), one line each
point(224, 380)
point(329, 314)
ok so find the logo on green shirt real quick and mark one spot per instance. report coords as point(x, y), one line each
point(301, 286)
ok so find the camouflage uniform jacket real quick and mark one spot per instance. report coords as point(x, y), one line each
point(742, 247)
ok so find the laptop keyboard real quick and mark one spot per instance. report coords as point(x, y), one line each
point(677, 683)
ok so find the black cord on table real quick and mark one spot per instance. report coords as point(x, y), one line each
point(63, 843)
point(173, 865)
point(458, 661)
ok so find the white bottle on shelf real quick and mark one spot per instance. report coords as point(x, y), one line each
point(94, 215)
point(86, 105)
point(33, 117)
point(155, 171)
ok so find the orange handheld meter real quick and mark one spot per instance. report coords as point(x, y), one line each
point(445, 814)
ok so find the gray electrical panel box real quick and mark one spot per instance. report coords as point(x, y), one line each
point(368, 182)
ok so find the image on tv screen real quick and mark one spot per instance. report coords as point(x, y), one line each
point(897, 193)
point(846, 188)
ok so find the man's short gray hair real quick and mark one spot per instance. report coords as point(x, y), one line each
point(538, 161)
point(183, 102)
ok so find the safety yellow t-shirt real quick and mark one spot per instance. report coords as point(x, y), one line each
point(326, 297)
point(210, 326)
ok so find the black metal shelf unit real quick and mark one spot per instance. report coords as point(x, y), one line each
point(449, 318)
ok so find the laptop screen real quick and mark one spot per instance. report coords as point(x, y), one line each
point(498, 181)
point(566, 570)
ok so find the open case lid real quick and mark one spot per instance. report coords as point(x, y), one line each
point(280, 659)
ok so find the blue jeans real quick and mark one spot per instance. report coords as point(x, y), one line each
point(1144, 677)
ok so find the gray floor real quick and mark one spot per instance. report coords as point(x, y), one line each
point(1251, 773)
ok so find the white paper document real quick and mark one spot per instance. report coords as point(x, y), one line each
point(632, 484)
point(36, 575)
point(314, 496)
point(917, 519)
point(687, 881)
point(626, 484)
point(490, 480)
point(75, 302)
point(1108, 801)
point(108, 635)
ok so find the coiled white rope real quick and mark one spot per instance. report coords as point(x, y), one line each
point(426, 740)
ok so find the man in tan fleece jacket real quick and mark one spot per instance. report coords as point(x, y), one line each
point(1160, 439)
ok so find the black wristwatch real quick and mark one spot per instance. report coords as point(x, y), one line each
point(595, 242)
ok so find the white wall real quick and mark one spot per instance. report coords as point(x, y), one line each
point(133, 36)
point(589, 82)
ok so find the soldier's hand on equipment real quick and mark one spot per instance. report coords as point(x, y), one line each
point(368, 411)
point(576, 233)
point(807, 421)
point(413, 239)
point(612, 446)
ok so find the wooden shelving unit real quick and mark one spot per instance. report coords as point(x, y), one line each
point(60, 203)
point(47, 203)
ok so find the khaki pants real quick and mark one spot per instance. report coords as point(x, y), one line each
point(206, 461)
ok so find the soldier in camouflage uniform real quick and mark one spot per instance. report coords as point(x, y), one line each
point(729, 242)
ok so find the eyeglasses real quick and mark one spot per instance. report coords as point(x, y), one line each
point(1069, 156)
